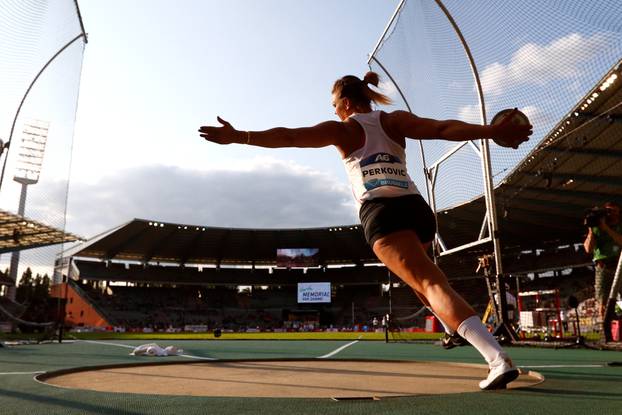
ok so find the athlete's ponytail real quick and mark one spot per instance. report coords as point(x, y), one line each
point(358, 91)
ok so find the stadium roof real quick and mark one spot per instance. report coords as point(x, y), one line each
point(100, 271)
point(576, 166)
point(539, 205)
point(18, 233)
point(149, 241)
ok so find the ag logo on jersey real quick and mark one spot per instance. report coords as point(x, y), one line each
point(379, 158)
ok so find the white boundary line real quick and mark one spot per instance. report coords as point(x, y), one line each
point(127, 346)
point(197, 357)
point(133, 347)
point(334, 352)
point(22, 373)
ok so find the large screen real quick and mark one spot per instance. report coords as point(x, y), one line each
point(297, 257)
point(314, 292)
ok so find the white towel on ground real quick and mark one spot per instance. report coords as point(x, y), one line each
point(152, 349)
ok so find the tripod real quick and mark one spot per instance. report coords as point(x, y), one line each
point(580, 340)
point(503, 331)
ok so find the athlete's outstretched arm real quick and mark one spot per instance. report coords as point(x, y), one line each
point(409, 125)
point(321, 135)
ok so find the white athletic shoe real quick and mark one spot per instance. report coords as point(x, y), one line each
point(502, 371)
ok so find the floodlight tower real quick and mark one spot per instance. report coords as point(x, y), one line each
point(29, 163)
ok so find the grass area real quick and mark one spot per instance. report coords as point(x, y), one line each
point(403, 336)
point(252, 336)
point(230, 336)
point(590, 337)
point(568, 389)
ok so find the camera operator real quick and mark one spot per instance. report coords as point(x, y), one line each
point(603, 241)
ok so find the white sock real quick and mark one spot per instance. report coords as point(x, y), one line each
point(476, 333)
point(445, 327)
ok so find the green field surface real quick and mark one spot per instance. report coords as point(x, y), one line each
point(253, 336)
point(399, 336)
point(404, 336)
point(577, 381)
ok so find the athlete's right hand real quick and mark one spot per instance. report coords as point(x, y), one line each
point(225, 134)
point(510, 134)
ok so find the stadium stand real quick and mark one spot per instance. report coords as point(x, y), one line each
point(161, 298)
point(176, 295)
point(137, 266)
point(170, 298)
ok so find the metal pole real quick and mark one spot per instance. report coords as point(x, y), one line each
point(386, 29)
point(16, 254)
point(615, 285)
point(486, 165)
point(429, 187)
point(392, 81)
point(390, 299)
point(86, 40)
point(61, 329)
point(399, 90)
point(488, 183)
point(611, 301)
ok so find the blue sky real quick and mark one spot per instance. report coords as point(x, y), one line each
point(154, 71)
point(542, 57)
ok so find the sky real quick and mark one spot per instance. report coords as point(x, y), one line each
point(154, 71)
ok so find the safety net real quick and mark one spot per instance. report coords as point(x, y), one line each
point(541, 56)
point(41, 50)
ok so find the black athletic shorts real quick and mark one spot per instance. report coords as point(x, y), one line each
point(385, 215)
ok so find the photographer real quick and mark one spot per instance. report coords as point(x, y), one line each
point(603, 241)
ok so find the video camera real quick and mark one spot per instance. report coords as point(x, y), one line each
point(593, 216)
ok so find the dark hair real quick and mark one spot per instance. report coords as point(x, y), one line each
point(358, 92)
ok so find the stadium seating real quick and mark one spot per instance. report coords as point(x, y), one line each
point(135, 297)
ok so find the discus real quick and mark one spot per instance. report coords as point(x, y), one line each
point(518, 118)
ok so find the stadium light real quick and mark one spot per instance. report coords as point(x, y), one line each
point(30, 161)
point(29, 164)
point(610, 80)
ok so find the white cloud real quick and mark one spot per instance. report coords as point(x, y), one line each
point(470, 113)
point(261, 193)
point(389, 89)
point(535, 114)
point(265, 194)
point(540, 64)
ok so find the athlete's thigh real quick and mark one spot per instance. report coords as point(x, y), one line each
point(404, 254)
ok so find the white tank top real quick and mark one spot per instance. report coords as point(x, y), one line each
point(378, 169)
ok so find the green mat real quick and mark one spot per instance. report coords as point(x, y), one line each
point(578, 381)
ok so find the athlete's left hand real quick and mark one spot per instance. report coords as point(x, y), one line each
point(225, 134)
